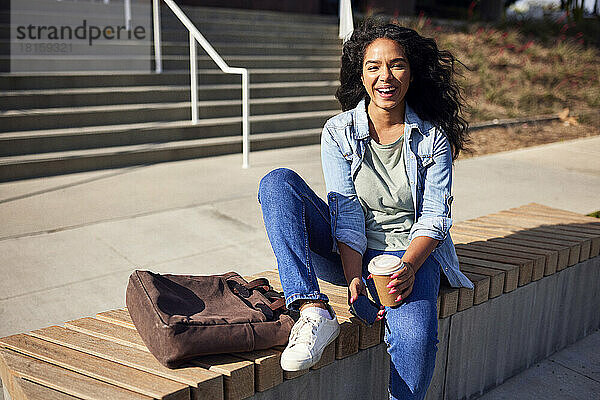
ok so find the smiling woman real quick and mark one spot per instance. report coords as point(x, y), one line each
point(387, 163)
point(386, 78)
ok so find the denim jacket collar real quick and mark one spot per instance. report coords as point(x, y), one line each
point(361, 121)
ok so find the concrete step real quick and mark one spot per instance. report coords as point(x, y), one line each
point(235, 14)
point(199, 15)
point(48, 7)
point(265, 48)
point(23, 167)
point(181, 35)
point(27, 99)
point(287, 23)
point(52, 140)
point(43, 63)
point(58, 118)
point(312, 37)
point(57, 80)
point(215, 13)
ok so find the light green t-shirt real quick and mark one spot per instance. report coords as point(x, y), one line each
point(383, 190)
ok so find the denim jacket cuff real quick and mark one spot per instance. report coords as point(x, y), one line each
point(355, 240)
point(433, 227)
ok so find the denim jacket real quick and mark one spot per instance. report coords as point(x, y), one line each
point(429, 169)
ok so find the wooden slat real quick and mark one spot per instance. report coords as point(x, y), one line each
point(460, 238)
point(512, 273)
point(579, 229)
point(267, 372)
point(563, 225)
point(97, 368)
point(119, 317)
point(238, 374)
point(291, 374)
point(108, 331)
point(512, 231)
point(481, 290)
point(568, 222)
point(328, 357)
point(548, 209)
point(524, 266)
point(525, 276)
point(584, 242)
point(465, 298)
point(550, 256)
point(449, 301)
point(11, 384)
point(574, 247)
point(205, 384)
point(267, 368)
point(62, 379)
point(528, 227)
point(557, 215)
point(27, 390)
point(562, 252)
point(496, 276)
point(539, 261)
point(571, 233)
point(481, 232)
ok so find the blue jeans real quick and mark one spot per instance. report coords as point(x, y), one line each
point(298, 225)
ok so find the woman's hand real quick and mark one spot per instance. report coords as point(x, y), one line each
point(381, 312)
point(402, 282)
point(355, 288)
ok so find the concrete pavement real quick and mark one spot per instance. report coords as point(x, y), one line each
point(70, 242)
point(570, 374)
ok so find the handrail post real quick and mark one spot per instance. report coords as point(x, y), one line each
point(127, 5)
point(157, 42)
point(245, 119)
point(346, 20)
point(194, 79)
point(196, 36)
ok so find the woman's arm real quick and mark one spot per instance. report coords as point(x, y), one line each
point(417, 252)
point(433, 218)
point(352, 263)
point(347, 217)
point(346, 214)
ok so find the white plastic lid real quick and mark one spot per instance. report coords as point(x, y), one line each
point(384, 264)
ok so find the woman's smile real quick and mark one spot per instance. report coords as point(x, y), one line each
point(386, 74)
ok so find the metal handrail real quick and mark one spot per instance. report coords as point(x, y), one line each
point(196, 36)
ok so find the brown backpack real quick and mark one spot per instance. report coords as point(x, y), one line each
point(180, 317)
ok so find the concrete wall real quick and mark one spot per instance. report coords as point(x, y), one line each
point(497, 339)
point(479, 348)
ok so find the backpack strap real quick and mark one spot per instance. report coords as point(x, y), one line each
point(277, 304)
point(260, 283)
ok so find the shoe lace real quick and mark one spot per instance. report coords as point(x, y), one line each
point(304, 331)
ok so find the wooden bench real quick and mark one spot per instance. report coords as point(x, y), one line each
point(545, 257)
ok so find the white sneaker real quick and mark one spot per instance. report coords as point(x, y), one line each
point(308, 338)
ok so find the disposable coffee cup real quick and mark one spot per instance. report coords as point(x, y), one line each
point(381, 268)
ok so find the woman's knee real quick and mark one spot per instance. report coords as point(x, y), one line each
point(412, 350)
point(278, 182)
point(413, 332)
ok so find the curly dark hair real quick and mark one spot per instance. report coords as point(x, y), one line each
point(433, 93)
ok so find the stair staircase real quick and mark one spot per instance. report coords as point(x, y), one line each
point(61, 122)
